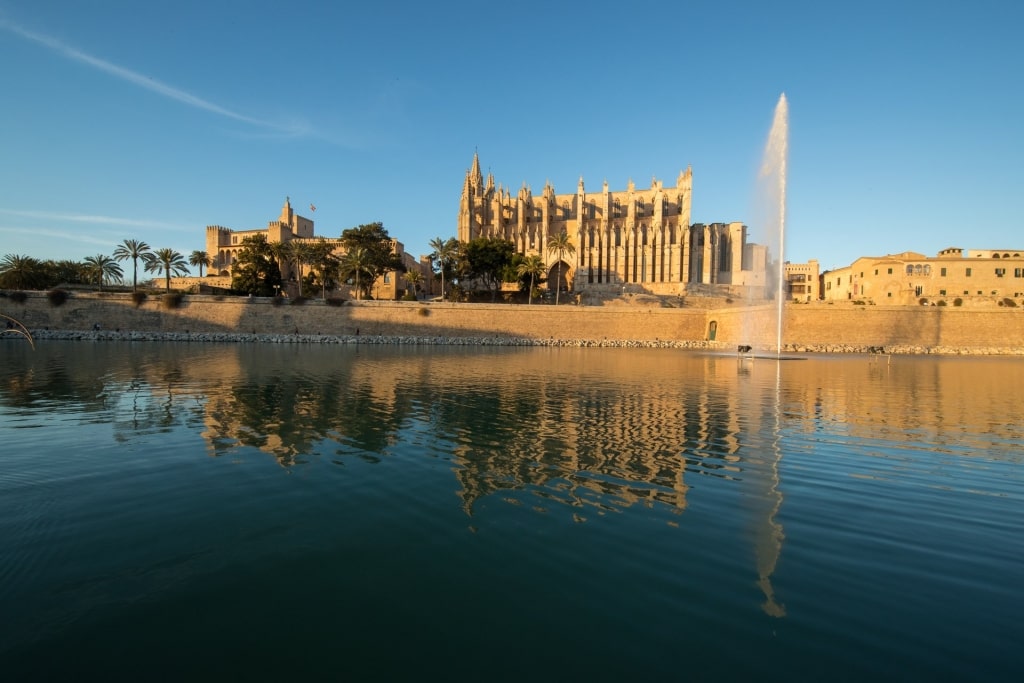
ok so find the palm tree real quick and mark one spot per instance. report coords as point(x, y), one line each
point(102, 268)
point(199, 258)
point(320, 255)
point(301, 254)
point(560, 246)
point(444, 252)
point(532, 265)
point(353, 263)
point(414, 278)
point(19, 272)
point(168, 262)
point(68, 271)
point(134, 250)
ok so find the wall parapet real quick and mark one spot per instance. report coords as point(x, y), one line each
point(806, 328)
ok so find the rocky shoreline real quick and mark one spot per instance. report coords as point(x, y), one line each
point(247, 338)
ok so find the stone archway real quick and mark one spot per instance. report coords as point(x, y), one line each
point(560, 277)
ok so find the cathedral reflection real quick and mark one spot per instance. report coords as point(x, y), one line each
point(597, 431)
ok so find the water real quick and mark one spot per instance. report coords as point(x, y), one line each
point(773, 173)
point(265, 512)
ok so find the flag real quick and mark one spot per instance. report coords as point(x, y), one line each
point(312, 208)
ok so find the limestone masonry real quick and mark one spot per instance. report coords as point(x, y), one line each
point(807, 327)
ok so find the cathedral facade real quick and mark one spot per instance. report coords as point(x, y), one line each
point(640, 240)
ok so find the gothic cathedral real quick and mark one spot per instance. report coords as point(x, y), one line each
point(640, 240)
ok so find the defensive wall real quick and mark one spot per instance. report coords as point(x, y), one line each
point(807, 327)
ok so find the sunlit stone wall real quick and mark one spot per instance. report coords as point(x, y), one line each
point(809, 325)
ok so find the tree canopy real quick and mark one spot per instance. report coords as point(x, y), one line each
point(486, 260)
point(255, 270)
point(380, 256)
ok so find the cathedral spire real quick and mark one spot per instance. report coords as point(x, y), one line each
point(476, 178)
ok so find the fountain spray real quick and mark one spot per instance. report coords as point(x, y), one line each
point(774, 164)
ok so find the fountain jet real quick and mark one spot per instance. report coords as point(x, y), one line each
point(773, 177)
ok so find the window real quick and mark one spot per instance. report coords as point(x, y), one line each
point(387, 278)
point(942, 292)
point(910, 269)
point(968, 272)
point(1000, 272)
point(888, 294)
point(942, 272)
point(918, 290)
point(876, 271)
point(1018, 272)
point(890, 272)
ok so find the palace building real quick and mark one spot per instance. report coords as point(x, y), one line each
point(222, 245)
point(951, 277)
point(640, 239)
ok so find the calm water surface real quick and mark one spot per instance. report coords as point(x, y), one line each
point(292, 512)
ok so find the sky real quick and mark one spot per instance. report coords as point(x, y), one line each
point(151, 120)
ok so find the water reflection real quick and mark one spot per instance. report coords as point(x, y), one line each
point(593, 432)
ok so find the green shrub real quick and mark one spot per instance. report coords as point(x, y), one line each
point(958, 301)
point(335, 301)
point(923, 301)
point(172, 300)
point(408, 296)
point(277, 301)
point(859, 302)
point(423, 312)
point(1009, 303)
point(942, 302)
point(138, 298)
point(299, 301)
point(57, 297)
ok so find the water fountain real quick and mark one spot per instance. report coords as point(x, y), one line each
point(772, 192)
point(773, 179)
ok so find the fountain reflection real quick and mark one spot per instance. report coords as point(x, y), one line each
point(597, 432)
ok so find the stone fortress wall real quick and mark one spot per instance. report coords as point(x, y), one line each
point(815, 327)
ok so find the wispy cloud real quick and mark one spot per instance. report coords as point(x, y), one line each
point(291, 128)
point(64, 236)
point(97, 220)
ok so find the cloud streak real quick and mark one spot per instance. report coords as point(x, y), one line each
point(96, 220)
point(291, 129)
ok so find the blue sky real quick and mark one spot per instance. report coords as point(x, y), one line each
point(152, 120)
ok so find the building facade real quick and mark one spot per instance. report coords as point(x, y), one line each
point(640, 239)
point(980, 276)
point(223, 244)
point(803, 281)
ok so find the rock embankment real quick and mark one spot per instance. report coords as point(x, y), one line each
point(247, 338)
